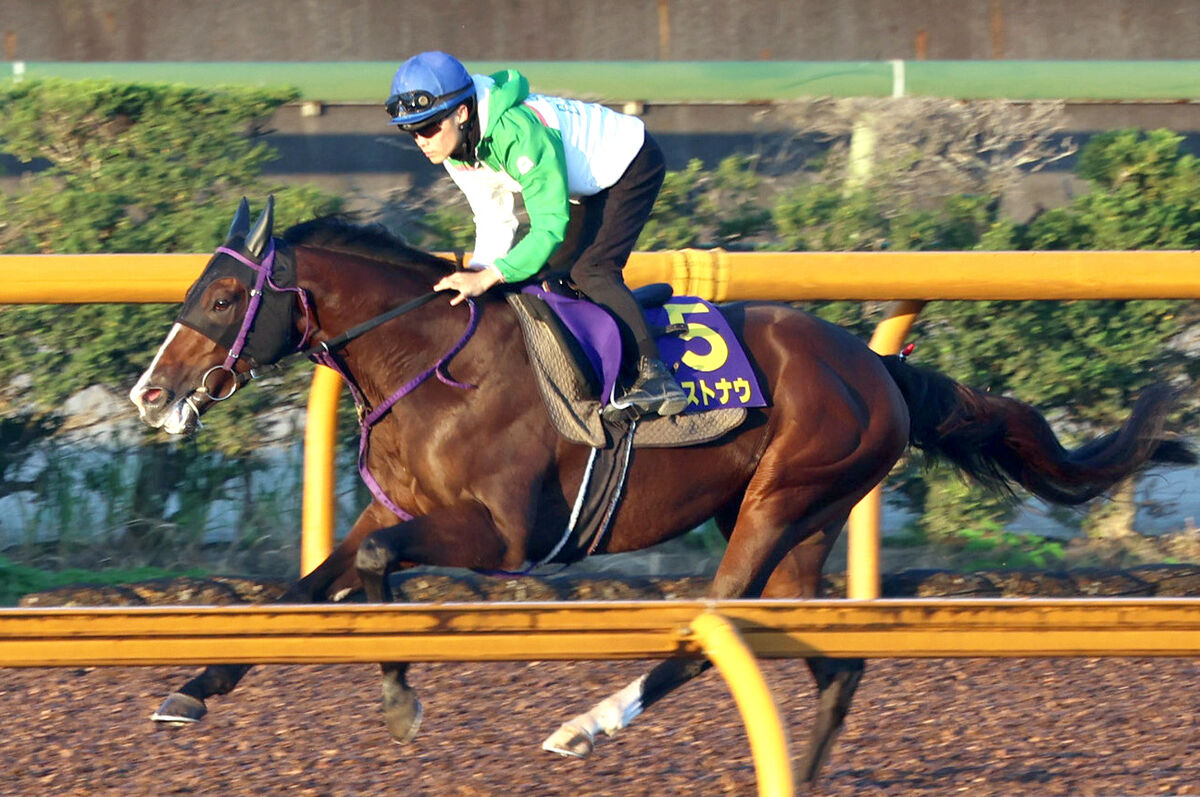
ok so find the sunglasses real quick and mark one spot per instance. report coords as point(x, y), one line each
point(428, 131)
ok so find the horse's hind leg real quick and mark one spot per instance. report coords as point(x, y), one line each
point(745, 573)
point(576, 738)
point(837, 681)
point(798, 576)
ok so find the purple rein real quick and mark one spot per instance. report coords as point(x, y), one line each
point(370, 419)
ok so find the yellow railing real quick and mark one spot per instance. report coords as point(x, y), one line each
point(716, 275)
point(586, 630)
point(728, 632)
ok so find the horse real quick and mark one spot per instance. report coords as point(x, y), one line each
point(472, 474)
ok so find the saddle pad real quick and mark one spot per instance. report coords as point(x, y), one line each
point(707, 359)
point(569, 391)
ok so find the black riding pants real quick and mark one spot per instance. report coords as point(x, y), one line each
point(601, 234)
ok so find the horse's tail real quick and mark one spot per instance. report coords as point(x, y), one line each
point(1002, 441)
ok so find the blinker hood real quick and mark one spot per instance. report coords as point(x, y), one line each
point(273, 332)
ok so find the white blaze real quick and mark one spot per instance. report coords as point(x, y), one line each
point(135, 395)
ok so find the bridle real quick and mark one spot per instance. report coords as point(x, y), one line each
point(262, 281)
point(322, 354)
point(315, 353)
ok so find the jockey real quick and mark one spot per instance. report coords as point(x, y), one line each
point(588, 177)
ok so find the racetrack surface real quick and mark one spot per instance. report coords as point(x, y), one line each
point(919, 727)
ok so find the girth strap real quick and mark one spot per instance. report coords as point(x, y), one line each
point(596, 504)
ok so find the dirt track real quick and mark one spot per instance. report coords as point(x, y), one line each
point(937, 727)
point(978, 727)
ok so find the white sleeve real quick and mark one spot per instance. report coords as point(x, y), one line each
point(492, 204)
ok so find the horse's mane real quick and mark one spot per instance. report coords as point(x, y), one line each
point(374, 241)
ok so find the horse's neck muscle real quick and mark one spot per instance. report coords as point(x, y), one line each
point(348, 289)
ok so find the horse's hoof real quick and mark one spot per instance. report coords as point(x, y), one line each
point(180, 709)
point(403, 725)
point(571, 742)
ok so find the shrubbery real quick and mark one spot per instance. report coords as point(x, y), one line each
point(159, 169)
point(128, 168)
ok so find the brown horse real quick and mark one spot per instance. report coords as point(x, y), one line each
point(475, 460)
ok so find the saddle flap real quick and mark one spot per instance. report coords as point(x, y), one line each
point(585, 373)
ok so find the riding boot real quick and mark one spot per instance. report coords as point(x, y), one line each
point(655, 390)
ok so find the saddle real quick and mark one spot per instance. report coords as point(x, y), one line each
point(574, 348)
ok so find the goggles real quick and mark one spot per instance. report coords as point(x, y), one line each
point(415, 101)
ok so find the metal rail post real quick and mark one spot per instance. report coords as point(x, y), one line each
point(863, 532)
point(320, 476)
point(724, 646)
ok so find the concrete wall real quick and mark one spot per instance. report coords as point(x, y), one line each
point(813, 30)
point(350, 150)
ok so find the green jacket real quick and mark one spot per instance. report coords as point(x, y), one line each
point(514, 141)
point(548, 149)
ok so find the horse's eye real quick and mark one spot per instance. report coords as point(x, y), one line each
point(221, 304)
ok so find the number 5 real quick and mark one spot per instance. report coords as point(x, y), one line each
point(718, 351)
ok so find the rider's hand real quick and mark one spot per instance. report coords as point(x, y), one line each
point(468, 283)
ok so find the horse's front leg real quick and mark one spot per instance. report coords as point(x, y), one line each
point(459, 536)
point(331, 580)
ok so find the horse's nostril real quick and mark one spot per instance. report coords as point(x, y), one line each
point(153, 396)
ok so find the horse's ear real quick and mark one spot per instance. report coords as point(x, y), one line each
point(241, 220)
point(257, 238)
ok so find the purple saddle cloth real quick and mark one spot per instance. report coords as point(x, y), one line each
point(708, 360)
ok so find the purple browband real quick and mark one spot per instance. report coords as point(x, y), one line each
point(262, 278)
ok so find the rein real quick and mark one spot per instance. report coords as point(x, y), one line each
point(263, 271)
point(323, 354)
point(328, 346)
point(367, 420)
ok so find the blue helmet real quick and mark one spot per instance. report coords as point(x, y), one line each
point(426, 88)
